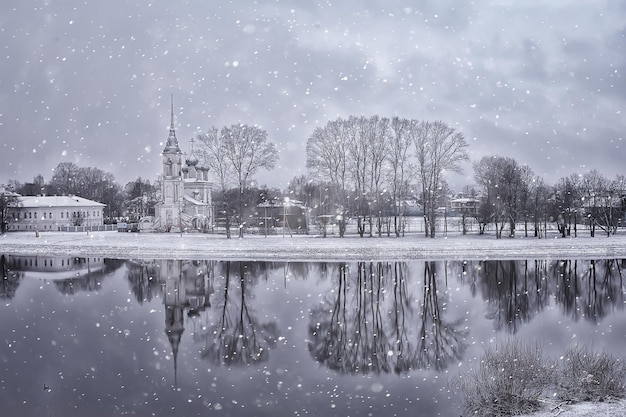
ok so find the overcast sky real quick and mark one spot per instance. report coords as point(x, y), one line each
point(89, 81)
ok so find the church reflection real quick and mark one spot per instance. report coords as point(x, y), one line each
point(370, 317)
point(185, 287)
point(213, 298)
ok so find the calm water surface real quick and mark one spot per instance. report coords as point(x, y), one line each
point(106, 337)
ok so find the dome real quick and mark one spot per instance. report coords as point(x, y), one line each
point(192, 160)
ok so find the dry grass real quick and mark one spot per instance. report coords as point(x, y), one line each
point(514, 378)
point(587, 375)
point(511, 379)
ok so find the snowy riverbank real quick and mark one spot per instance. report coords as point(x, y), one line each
point(605, 409)
point(308, 247)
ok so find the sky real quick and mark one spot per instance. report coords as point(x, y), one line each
point(90, 81)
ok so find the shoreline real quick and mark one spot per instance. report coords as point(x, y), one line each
point(309, 247)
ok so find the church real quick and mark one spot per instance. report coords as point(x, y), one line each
point(186, 200)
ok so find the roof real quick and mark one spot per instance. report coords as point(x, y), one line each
point(194, 201)
point(56, 201)
point(465, 200)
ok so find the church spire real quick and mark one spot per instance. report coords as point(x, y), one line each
point(172, 111)
point(171, 146)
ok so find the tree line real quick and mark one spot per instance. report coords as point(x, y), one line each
point(363, 170)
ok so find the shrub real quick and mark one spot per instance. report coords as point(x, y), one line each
point(586, 375)
point(511, 379)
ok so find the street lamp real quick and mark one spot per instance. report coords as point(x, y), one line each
point(285, 203)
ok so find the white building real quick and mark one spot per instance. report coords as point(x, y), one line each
point(186, 199)
point(47, 213)
point(466, 206)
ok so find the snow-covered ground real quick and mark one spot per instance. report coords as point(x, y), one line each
point(310, 247)
point(605, 409)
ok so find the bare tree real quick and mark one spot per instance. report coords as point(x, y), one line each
point(8, 200)
point(91, 183)
point(609, 206)
point(358, 162)
point(247, 150)
point(594, 188)
point(213, 150)
point(64, 179)
point(377, 134)
point(539, 206)
point(400, 169)
point(326, 153)
point(567, 202)
point(439, 148)
point(528, 180)
point(501, 180)
point(326, 159)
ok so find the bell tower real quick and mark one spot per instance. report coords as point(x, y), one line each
point(171, 181)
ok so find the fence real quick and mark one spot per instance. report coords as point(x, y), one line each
point(102, 228)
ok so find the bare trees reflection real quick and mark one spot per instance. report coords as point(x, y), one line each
point(370, 317)
point(517, 291)
point(10, 279)
point(235, 336)
point(441, 342)
point(590, 289)
point(369, 323)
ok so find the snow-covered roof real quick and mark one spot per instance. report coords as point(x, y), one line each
point(465, 200)
point(56, 201)
point(194, 201)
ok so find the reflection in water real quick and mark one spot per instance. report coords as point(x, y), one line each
point(235, 336)
point(221, 325)
point(519, 290)
point(69, 274)
point(10, 279)
point(360, 329)
point(224, 321)
point(440, 342)
point(589, 290)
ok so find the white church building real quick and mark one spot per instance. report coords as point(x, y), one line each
point(186, 201)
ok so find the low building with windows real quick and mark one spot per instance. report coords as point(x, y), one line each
point(51, 213)
point(465, 206)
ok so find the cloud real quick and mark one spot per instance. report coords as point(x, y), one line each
point(90, 83)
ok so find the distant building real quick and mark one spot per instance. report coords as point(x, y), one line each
point(278, 215)
point(410, 208)
point(186, 200)
point(51, 213)
point(465, 206)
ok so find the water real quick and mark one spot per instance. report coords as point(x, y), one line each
point(104, 337)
